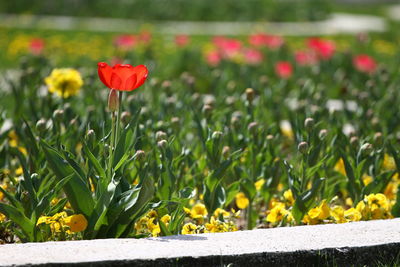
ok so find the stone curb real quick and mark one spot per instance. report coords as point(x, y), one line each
point(360, 243)
point(337, 24)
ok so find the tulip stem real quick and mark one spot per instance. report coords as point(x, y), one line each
point(111, 147)
point(118, 118)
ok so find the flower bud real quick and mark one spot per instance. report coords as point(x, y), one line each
point(322, 134)
point(250, 95)
point(160, 135)
point(126, 117)
point(41, 125)
point(378, 139)
point(354, 141)
point(309, 124)
point(140, 155)
point(252, 127)
point(166, 84)
point(366, 148)
point(175, 121)
point(226, 151)
point(113, 101)
point(91, 135)
point(270, 137)
point(217, 135)
point(162, 144)
point(207, 110)
point(58, 115)
point(303, 147)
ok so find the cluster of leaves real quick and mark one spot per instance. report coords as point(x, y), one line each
point(197, 136)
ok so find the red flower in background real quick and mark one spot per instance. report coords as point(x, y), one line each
point(284, 69)
point(305, 58)
point(253, 56)
point(125, 41)
point(213, 58)
point(364, 63)
point(228, 47)
point(145, 37)
point(325, 49)
point(36, 46)
point(123, 77)
point(273, 42)
point(182, 40)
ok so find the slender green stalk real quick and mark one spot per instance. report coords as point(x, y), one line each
point(118, 126)
point(111, 147)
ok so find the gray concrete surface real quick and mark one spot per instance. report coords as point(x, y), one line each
point(338, 23)
point(351, 243)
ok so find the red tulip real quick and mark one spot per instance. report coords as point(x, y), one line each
point(123, 77)
point(325, 49)
point(125, 41)
point(253, 56)
point(271, 41)
point(36, 46)
point(364, 63)
point(213, 58)
point(305, 58)
point(182, 40)
point(284, 69)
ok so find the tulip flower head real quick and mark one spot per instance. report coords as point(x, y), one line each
point(284, 69)
point(122, 77)
point(364, 63)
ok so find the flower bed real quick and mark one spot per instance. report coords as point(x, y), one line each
point(220, 136)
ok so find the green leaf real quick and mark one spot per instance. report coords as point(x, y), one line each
point(17, 216)
point(77, 191)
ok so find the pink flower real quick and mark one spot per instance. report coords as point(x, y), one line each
point(364, 63)
point(284, 69)
point(273, 42)
point(125, 41)
point(253, 56)
point(36, 46)
point(145, 37)
point(213, 58)
point(325, 49)
point(305, 58)
point(228, 47)
point(182, 40)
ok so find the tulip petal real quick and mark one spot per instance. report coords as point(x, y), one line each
point(141, 74)
point(130, 83)
point(104, 71)
point(115, 82)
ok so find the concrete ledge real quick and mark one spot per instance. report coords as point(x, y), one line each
point(360, 243)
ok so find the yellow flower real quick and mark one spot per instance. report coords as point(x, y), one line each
point(222, 212)
point(388, 163)
point(259, 184)
point(198, 211)
point(76, 223)
point(241, 200)
point(189, 229)
point(390, 190)
point(278, 213)
point(19, 171)
point(2, 217)
point(288, 195)
point(363, 210)
point(339, 167)
point(166, 219)
point(12, 138)
point(65, 82)
point(154, 228)
point(367, 179)
point(43, 219)
point(353, 215)
point(214, 226)
point(4, 186)
point(317, 214)
point(376, 201)
point(337, 212)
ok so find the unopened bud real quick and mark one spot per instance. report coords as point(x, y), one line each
point(126, 117)
point(58, 115)
point(322, 134)
point(90, 135)
point(140, 155)
point(216, 135)
point(378, 139)
point(252, 127)
point(41, 125)
point(175, 121)
point(309, 124)
point(226, 151)
point(270, 137)
point(113, 101)
point(162, 144)
point(250, 95)
point(303, 147)
point(354, 141)
point(207, 109)
point(160, 135)
point(367, 148)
